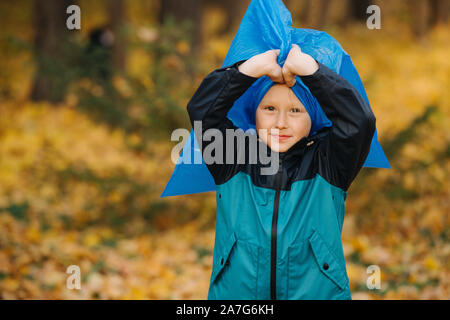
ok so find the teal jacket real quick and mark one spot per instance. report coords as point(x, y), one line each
point(279, 236)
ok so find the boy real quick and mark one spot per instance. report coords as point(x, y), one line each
point(279, 236)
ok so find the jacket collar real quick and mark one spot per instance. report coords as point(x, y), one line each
point(297, 150)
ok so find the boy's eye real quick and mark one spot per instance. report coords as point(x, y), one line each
point(270, 108)
point(295, 110)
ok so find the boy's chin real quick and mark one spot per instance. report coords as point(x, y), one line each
point(280, 148)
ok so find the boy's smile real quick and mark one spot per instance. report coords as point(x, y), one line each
point(281, 119)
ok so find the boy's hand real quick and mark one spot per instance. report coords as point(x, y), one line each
point(298, 63)
point(263, 64)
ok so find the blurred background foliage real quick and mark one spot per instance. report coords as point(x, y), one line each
point(86, 119)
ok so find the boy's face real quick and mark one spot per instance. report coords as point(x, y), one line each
point(283, 117)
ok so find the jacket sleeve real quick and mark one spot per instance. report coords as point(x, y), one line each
point(348, 143)
point(210, 104)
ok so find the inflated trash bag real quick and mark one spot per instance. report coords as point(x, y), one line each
point(265, 26)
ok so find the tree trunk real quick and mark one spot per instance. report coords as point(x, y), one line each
point(305, 11)
point(234, 10)
point(315, 13)
point(51, 34)
point(420, 17)
point(186, 10)
point(116, 12)
point(357, 9)
point(439, 11)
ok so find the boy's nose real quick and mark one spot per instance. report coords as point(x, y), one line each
point(281, 120)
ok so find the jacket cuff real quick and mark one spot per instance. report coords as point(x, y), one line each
point(241, 77)
point(316, 75)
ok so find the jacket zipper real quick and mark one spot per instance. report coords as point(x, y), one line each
point(273, 251)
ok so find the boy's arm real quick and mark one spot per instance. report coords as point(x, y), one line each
point(210, 104)
point(215, 97)
point(222, 87)
point(353, 122)
point(216, 94)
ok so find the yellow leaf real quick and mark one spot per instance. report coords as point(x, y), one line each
point(33, 234)
point(183, 47)
point(91, 239)
point(431, 264)
point(10, 284)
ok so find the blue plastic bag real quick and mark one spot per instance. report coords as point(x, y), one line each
point(267, 25)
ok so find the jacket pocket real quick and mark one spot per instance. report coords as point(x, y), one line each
point(235, 271)
point(314, 272)
point(223, 256)
point(327, 261)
